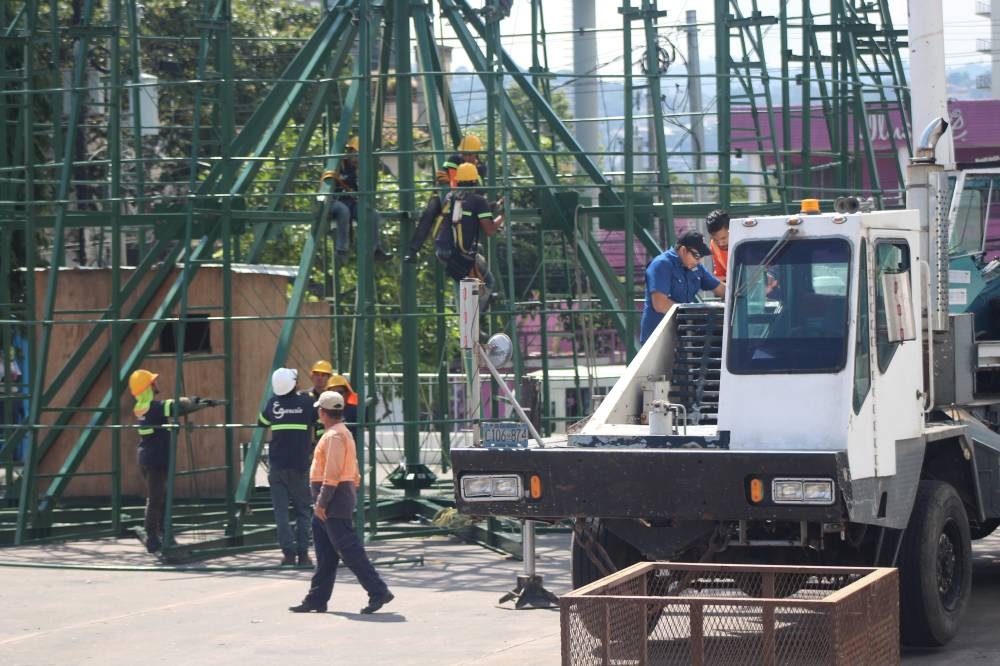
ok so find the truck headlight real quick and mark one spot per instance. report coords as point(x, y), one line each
point(786, 490)
point(817, 492)
point(476, 486)
point(490, 487)
point(802, 491)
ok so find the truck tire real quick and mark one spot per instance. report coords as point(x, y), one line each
point(935, 567)
point(583, 571)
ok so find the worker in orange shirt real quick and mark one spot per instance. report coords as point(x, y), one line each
point(334, 477)
point(718, 230)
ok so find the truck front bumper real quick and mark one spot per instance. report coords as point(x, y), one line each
point(652, 484)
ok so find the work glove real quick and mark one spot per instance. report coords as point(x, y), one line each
point(443, 178)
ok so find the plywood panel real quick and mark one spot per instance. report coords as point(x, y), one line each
point(259, 303)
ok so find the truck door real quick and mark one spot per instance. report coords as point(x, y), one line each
point(896, 363)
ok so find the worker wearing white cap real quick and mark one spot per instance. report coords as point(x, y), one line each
point(334, 477)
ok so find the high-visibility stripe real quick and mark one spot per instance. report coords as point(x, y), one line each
point(486, 215)
point(167, 407)
point(145, 431)
point(290, 426)
point(263, 420)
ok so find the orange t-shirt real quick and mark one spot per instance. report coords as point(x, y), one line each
point(335, 459)
point(720, 258)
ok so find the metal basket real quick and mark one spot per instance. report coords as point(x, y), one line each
point(675, 613)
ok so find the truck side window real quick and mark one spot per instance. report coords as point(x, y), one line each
point(980, 194)
point(862, 344)
point(891, 257)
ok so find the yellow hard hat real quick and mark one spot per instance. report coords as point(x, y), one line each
point(467, 173)
point(323, 367)
point(354, 143)
point(339, 380)
point(470, 143)
point(140, 380)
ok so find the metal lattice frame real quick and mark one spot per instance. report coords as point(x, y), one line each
point(325, 92)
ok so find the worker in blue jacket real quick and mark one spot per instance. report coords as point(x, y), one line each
point(291, 418)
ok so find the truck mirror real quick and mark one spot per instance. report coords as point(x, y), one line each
point(900, 321)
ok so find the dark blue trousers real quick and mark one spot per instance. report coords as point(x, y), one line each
point(335, 540)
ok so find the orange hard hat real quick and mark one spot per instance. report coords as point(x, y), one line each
point(354, 144)
point(140, 380)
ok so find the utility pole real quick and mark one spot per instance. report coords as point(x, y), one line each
point(694, 97)
point(585, 92)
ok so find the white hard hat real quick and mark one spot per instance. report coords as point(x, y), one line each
point(283, 380)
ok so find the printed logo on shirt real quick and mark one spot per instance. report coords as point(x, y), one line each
point(279, 412)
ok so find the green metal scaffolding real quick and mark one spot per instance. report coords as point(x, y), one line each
point(222, 182)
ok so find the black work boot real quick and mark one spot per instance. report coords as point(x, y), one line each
point(289, 559)
point(374, 603)
point(303, 560)
point(308, 607)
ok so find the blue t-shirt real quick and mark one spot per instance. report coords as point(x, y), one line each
point(667, 275)
point(291, 418)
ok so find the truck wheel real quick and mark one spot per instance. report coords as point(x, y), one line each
point(584, 571)
point(935, 567)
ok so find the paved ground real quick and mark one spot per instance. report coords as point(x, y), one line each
point(446, 610)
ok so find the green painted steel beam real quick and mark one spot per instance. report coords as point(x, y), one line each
point(407, 201)
point(151, 333)
point(595, 264)
point(165, 220)
point(265, 125)
point(471, 17)
point(434, 80)
point(58, 255)
point(164, 265)
point(264, 231)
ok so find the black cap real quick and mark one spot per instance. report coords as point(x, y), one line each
point(693, 240)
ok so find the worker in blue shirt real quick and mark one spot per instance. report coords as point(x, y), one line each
point(675, 276)
point(290, 416)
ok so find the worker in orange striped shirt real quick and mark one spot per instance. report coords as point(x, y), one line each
point(334, 478)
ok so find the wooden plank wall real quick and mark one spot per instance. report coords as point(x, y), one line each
point(257, 297)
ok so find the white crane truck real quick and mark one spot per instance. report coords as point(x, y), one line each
point(837, 409)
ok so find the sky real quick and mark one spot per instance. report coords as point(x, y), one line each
point(962, 28)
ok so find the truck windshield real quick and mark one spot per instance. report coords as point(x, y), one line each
point(790, 315)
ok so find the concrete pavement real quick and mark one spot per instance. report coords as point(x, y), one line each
point(235, 610)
